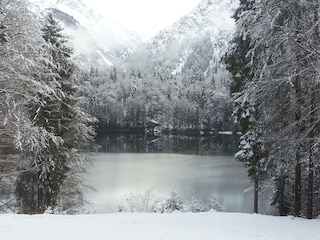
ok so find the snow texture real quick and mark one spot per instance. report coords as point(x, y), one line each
point(178, 226)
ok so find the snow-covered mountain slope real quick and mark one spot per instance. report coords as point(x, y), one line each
point(98, 41)
point(195, 43)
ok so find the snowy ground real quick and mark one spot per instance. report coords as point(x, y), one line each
point(176, 226)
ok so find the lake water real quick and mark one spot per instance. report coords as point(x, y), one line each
point(115, 174)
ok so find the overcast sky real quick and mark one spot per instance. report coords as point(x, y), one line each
point(144, 16)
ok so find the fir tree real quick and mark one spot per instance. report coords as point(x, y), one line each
point(252, 150)
point(59, 115)
point(283, 41)
point(22, 55)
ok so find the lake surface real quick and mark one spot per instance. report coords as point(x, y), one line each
point(115, 174)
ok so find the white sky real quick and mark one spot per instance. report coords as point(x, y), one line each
point(144, 16)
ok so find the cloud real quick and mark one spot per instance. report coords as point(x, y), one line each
point(144, 16)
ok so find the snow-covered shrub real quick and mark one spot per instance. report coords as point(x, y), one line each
point(146, 202)
point(173, 203)
point(214, 205)
point(196, 205)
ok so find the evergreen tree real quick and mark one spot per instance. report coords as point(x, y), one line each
point(283, 41)
point(21, 79)
point(252, 149)
point(59, 115)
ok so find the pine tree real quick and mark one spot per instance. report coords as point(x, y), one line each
point(59, 115)
point(252, 149)
point(283, 41)
point(21, 75)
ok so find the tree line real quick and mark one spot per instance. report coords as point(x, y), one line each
point(43, 130)
point(274, 62)
point(123, 100)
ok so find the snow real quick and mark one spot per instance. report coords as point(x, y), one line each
point(104, 59)
point(143, 226)
point(225, 132)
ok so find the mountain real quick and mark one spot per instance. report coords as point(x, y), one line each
point(176, 80)
point(192, 45)
point(98, 41)
point(196, 42)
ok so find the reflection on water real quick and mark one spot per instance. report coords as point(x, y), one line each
point(152, 164)
point(142, 143)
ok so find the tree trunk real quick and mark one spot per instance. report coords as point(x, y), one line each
point(283, 211)
point(310, 188)
point(313, 119)
point(311, 143)
point(297, 181)
point(297, 190)
point(256, 194)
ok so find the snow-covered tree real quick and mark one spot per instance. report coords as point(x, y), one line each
point(173, 203)
point(252, 149)
point(138, 97)
point(282, 55)
point(21, 79)
point(60, 116)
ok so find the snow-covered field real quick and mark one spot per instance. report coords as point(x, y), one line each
point(141, 226)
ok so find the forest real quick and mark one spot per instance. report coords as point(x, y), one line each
point(176, 104)
point(274, 63)
point(50, 108)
